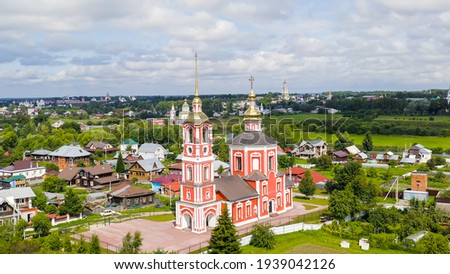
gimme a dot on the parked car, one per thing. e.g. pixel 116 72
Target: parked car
pixel 108 212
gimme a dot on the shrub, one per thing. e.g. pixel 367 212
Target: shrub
pixel 262 237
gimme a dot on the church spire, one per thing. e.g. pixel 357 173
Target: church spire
pixel 285 92
pixel 197 102
pixel 252 116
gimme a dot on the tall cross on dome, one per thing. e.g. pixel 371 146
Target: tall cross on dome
pixel 252 79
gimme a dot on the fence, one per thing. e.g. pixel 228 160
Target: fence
pixel 276 224
pixel 285 229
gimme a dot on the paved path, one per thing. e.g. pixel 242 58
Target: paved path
pixel 165 235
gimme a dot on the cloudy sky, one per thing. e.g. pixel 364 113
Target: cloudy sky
pixel 137 47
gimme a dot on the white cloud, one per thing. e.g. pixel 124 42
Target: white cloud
pixel 139 46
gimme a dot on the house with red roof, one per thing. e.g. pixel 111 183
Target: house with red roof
pixel 296 174
pixel 159 181
pixel 171 189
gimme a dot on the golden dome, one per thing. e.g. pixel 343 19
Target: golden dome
pixel 196 100
pixel 196 118
pixel 252 113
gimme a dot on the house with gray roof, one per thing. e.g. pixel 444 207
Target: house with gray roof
pixel 70 155
pixel 386 157
pixel 146 169
pixel 104 147
pixel 418 152
pixel 311 149
pixel 151 150
pixel 40 155
pixel 16 203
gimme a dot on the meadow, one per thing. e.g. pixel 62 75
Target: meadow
pixel 314 242
pixel 396 142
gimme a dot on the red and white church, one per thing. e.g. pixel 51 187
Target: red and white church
pixel 255 188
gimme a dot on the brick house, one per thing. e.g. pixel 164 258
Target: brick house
pixel 70 156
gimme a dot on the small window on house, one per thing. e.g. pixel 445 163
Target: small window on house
pixel 208 194
pixel 188 195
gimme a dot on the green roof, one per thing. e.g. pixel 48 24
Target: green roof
pixel 14 178
pixel 130 142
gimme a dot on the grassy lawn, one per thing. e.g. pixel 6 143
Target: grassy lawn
pixel 313 242
pixel 146 186
pixel 313 201
pixel 404 141
pixel 161 218
pixel 309 207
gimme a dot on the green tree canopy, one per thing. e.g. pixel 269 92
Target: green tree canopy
pixel 343 204
pixel 72 203
pixel 94 245
pixel 41 224
pixel 53 184
pixel 307 185
pixel 120 166
pixel 262 237
pixel 131 244
pixel 368 142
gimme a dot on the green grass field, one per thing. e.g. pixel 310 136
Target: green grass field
pixel 161 218
pixel 313 242
pixel 399 141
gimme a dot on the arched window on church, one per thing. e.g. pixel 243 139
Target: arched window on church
pixel 189 173
pixel 190 135
pixel 255 164
pixel 271 162
pixel 205 132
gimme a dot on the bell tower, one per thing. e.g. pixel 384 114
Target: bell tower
pixel 197 208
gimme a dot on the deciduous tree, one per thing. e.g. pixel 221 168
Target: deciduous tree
pixel 307 185
pixel 262 237
pixel 41 224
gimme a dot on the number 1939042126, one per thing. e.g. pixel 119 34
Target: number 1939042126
pixel 295 264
